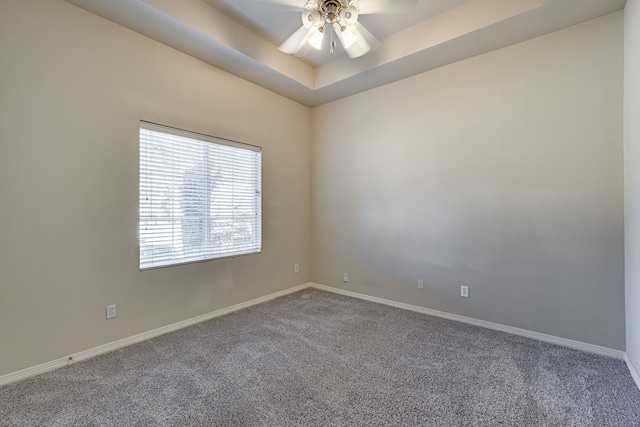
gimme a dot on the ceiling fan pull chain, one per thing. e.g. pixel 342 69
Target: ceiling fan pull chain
pixel 333 44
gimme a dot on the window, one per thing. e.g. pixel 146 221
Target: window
pixel 200 197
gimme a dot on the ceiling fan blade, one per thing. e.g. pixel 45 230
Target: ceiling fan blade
pixel 240 7
pixel 371 39
pixel 386 6
pixel 293 3
pixel 297 40
pixel 356 39
pixel 289 5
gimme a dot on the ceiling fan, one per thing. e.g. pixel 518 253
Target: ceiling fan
pixel 339 17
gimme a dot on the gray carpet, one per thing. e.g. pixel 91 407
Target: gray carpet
pixel 316 358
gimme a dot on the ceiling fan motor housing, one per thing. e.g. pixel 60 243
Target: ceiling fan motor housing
pixel 331 10
pixel 318 14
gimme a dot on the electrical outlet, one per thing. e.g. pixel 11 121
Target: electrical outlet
pixel 420 284
pixel 345 277
pixel 111 311
pixel 464 291
pixel 296 268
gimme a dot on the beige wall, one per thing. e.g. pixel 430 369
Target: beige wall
pixel 502 172
pixel 632 177
pixel 72 90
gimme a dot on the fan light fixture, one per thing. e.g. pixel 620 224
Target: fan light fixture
pixel 341 15
pixel 316 39
pixel 333 16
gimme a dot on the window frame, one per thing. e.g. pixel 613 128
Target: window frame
pixel 177 198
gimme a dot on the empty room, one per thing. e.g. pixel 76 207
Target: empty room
pixel 322 212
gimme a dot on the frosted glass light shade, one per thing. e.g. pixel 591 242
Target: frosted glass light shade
pixel 316 39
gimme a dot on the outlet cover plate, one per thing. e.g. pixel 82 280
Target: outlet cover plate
pixel 111 311
pixel 464 291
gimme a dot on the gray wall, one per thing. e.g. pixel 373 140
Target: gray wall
pixel 502 172
pixel 72 90
pixel 632 177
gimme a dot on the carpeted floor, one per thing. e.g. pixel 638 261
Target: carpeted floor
pixel 316 358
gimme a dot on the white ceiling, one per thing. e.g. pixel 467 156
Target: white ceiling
pixel 241 37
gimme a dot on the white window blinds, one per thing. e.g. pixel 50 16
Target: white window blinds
pixel 200 197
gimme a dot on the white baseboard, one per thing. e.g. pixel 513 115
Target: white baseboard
pixel 632 369
pixel 578 345
pixel 105 348
pixel 58 363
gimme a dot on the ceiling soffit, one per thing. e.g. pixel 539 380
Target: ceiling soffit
pixel 197 28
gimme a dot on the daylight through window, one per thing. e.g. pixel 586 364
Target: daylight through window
pixel 200 197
